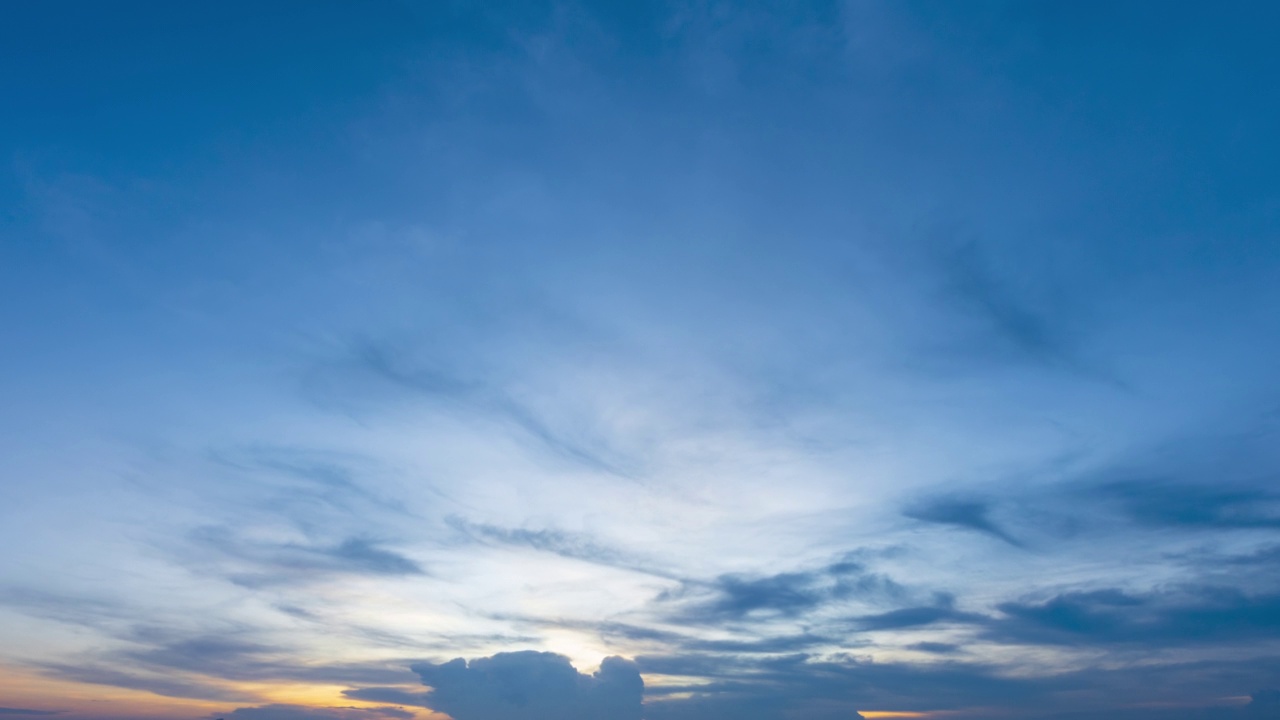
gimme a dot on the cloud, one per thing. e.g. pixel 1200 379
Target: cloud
pixel 803 687
pixel 785 594
pixel 301 712
pixel 361 555
pixel 1103 617
pixel 532 685
pixel 166 684
pixel 396 696
pixel 575 546
pixel 935 647
pixel 212 655
pixel 260 562
pixel 27 712
pixel 325 476
pixel 735 597
pixel 808 687
pixel 1268 556
pixel 972 284
pixel 307 486
pixel 750 708
pixel 1165 503
pixel 963 513
pixel 672 640
pixel 578 443
pixel 196 667
pixel 1211 484
pixel 91 612
pixel 915 617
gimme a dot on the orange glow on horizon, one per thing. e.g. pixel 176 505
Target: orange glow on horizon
pixel 20 687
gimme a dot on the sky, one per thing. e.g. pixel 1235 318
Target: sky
pixel 670 360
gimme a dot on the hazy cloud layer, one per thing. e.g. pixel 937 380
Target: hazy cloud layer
pixel 300 712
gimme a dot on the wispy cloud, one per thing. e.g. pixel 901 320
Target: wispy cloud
pixel 478 398
pixel 256 563
pixel 576 546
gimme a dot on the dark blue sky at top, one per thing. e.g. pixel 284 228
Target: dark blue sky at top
pixel 813 357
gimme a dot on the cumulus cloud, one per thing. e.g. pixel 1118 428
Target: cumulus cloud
pixel 532 685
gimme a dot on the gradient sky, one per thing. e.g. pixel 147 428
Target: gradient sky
pixel 395 360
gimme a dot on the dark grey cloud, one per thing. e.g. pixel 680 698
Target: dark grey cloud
pixel 1189 615
pixel 1170 502
pixel 938 648
pixel 392 695
pixel 532 686
pixel 738 597
pixel 804 687
pixel 919 616
pixel 1209 484
pixel 766 645
pixel 749 707
pixel 968 513
pixel 27 712
pixel 785 594
pixel 1220 479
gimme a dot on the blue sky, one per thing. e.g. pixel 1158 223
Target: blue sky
pixel 663 360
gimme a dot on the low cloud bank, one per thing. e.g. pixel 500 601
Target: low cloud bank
pixel 532 686
pixel 302 712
